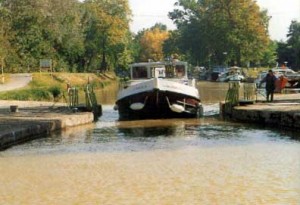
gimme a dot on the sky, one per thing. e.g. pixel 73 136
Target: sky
pixel 147 13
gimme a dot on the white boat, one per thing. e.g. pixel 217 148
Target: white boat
pixel 159 90
pixel 232 74
pixel 216 72
pixel 292 77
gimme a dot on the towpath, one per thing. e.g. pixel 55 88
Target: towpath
pixel 16 81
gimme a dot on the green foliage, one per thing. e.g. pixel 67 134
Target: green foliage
pixel 90 35
pixel 107 31
pixel 171 46
pixel 55 91
pixel 293 42
pixel 270 55
pixel 285 53
pixel 4 34
pixel 39 94
pixel 222 31
pixel 151 43
pixel 36 94
pixel 77 36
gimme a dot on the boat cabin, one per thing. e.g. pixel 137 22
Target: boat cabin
pixel 158 70
pixel 232 74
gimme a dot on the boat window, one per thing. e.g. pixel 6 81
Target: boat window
pixel 158 72
pixel 169 71
pixel 180 72
pixel 139 72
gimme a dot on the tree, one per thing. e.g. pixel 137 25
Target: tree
pixel 151 43
pixel 44 29
pixel 4 34
pixel 284 53
pixel 63 29
pixel 107 28
pixel 213 28
pixel 170 45
pixel 293 43
pixel 269 57
pixel 76 36
pixel 27 35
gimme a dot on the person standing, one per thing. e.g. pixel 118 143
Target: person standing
pixel 270 80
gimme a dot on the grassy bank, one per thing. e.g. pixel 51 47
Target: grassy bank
pixel 47 87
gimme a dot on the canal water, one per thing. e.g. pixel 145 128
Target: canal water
pixel 178 161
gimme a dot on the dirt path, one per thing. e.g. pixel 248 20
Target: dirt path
pixel 16 81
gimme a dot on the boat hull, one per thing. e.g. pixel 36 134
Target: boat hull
pixel 156 106
pixel 157 99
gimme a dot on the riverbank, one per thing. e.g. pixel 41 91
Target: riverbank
pixel 283 112
pixel 52 86
pixel 34 119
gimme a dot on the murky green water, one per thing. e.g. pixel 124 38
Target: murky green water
pixel 178 161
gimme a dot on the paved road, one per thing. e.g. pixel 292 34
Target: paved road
pixel 16 81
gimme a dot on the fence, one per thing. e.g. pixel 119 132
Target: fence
pixel 239 93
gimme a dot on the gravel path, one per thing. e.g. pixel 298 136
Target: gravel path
pixel 16 81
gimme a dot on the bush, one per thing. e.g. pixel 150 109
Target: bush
pixel 55 91
pixel 39 94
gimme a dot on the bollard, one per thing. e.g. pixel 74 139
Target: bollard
pixel 14 108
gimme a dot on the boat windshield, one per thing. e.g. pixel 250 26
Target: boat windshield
pixel 139 72
pixel 158 72
pixel 179 71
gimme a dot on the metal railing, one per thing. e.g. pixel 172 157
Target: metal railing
pixel 90 98
pixel 73 97
pixel 232 96
pixel 249 92
pixel 239 93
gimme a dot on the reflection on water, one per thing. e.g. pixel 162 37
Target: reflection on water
pixel 177 161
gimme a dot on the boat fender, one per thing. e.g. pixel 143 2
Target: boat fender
pixel 177 108
pixel 116 107
pixel 137 106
